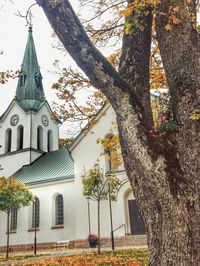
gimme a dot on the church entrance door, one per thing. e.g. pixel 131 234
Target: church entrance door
pixel 136 221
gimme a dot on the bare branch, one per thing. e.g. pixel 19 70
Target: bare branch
pixel 28 15
pixel 102 12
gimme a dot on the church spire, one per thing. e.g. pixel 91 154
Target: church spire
pixel 30 93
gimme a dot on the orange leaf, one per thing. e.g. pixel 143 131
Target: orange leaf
pixel 168 27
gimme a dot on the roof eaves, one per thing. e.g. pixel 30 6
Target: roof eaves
pixel 50 110
pixel 50 180
pixel 81 135
pixel 3 116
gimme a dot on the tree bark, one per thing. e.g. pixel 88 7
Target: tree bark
pixel 134 65
pixel 164 170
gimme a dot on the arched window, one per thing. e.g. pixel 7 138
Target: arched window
pixel 13 220
pixel 39 138
pixel 20 137
pixel 8 140
pixel 59 210
pixel 49 141
pixel 36 213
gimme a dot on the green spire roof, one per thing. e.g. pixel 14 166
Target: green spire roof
pixel 30 93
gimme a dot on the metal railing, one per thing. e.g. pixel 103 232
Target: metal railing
pixel 112 234
pixel 122 225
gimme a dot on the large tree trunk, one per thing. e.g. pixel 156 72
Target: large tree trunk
pixel 169 203
pixel 163 170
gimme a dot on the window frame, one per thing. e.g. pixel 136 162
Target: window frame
pixel 36 211
pixel 13 220
pixel 59 210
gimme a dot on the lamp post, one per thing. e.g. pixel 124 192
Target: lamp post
pixel 35 235
pixel 89 225
pixel 111 221
pixel 110 207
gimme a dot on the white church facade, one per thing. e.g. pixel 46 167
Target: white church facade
pixel 29 151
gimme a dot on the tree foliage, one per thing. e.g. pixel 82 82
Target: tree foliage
pixel 99 186
pixel 13 194
pixel 80 102
pixel 6 75
pixel 65 142
pixel 111 147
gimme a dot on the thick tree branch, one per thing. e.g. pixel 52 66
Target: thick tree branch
pixel 102 75
pixel 176 41
pixel 74 38
pixel 179 47
pixel 134 63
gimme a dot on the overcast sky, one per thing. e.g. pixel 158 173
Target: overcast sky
pixel 14 33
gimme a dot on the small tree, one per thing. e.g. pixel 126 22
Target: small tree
pixel 99 186
pixel 13 195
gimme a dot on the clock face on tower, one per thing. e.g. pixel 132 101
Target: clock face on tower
pixel 14 120
pixel 45 120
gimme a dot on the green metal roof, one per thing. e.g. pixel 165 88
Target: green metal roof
pixel 51 166
pixel 30 93
pixel 29 105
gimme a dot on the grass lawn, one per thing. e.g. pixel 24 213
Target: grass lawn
pixel 127 257
pixel 22 256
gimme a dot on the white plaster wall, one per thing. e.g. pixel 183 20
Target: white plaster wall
pixel 46 193
pixel 13 162
pixel 34 155
pixel 85 155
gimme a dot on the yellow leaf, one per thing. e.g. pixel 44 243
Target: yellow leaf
pixel 168 26
pixel 127 11
pixel 128 27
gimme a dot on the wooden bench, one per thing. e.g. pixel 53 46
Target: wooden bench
pixel 61 243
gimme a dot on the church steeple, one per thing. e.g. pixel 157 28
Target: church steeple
pixel 30 93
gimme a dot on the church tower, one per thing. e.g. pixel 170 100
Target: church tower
pixel 27 129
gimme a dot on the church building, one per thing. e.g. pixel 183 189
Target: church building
pixel 29 152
